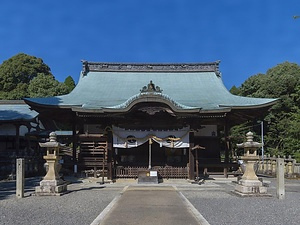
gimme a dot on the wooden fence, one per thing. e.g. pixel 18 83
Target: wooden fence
pixel 163 172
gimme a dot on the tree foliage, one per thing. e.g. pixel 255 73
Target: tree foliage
pixel 28 76
pixel 70 83
pixel 46 86
pixel 282 136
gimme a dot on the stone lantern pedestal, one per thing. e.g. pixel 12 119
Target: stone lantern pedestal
pixel 250 185
pixel 52 184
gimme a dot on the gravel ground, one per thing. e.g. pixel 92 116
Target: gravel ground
pixel 87 199
pixel 81 206
pixel 222 207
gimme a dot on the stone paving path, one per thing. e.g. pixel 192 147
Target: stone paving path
pixel 150 205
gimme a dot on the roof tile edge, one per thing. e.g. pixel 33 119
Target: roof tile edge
pixel 150 67
pixel 12 102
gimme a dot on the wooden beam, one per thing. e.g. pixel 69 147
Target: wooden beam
pixel 191 158
pixel 74 146
pixel 17 138
pixel 226 134
pixel 109 155
pixel 197 164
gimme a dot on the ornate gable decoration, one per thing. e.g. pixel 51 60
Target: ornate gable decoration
pixel 150 88
pixel 152 91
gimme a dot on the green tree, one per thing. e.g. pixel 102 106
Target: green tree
pixel 282 79
pixel 17 79
pixel 283 122
pixel 45 86
pixel 18 93
pixel 234 90
pixel 70 83
pixel 20 69
pixel 253 86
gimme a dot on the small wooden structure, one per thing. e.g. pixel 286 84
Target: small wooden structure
pixel 17 120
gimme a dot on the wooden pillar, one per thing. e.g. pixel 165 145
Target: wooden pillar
pixel 74 147
pixel 197 163
pixel 27 138
pixel 109 155
pixel 191 158
pixel 150 154
pixel 227 148
pixel 103 167
pixel 17 138
pixel 226 134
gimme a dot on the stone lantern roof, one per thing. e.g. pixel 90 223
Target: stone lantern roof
pixel 249 143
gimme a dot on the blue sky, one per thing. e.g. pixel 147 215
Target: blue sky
pixel 248 36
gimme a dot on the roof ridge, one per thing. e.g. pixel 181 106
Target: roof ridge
pixel 150 67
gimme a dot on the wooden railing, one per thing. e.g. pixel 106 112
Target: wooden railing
pixel 163 172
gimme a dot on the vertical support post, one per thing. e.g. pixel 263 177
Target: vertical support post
pixel 274 169
pixel 226 133
pixel 95 172
pixel 197 163
pixel 28 144
pixel 150 154
pixel 20 178
pixel 262 141
pixel 290 169
pixel 109 155
pixel 265 167
pixel 280 179
pixel 191 158
pixel 205 171
pixel 269 166
pixel 17 138
pixel 103 167
pixel 225 172
pixel 74 147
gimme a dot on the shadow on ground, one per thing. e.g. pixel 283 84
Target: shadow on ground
pixel 8 187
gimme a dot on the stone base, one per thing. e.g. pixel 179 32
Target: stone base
pixel 51 188
pixel 251 194
pixel 147 177
pixel 248 188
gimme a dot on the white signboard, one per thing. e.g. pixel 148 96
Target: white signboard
pixel 153 173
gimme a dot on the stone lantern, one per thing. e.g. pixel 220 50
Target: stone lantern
pixel 250 185
pixel 52 184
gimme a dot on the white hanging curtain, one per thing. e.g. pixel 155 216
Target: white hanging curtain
pixel 123 138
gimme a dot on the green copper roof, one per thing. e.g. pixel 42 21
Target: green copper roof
pixel 185 89
pixel 16 111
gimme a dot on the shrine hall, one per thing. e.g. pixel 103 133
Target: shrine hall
pixel 172 118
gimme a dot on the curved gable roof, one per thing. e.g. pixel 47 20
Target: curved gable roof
pixel 116 86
